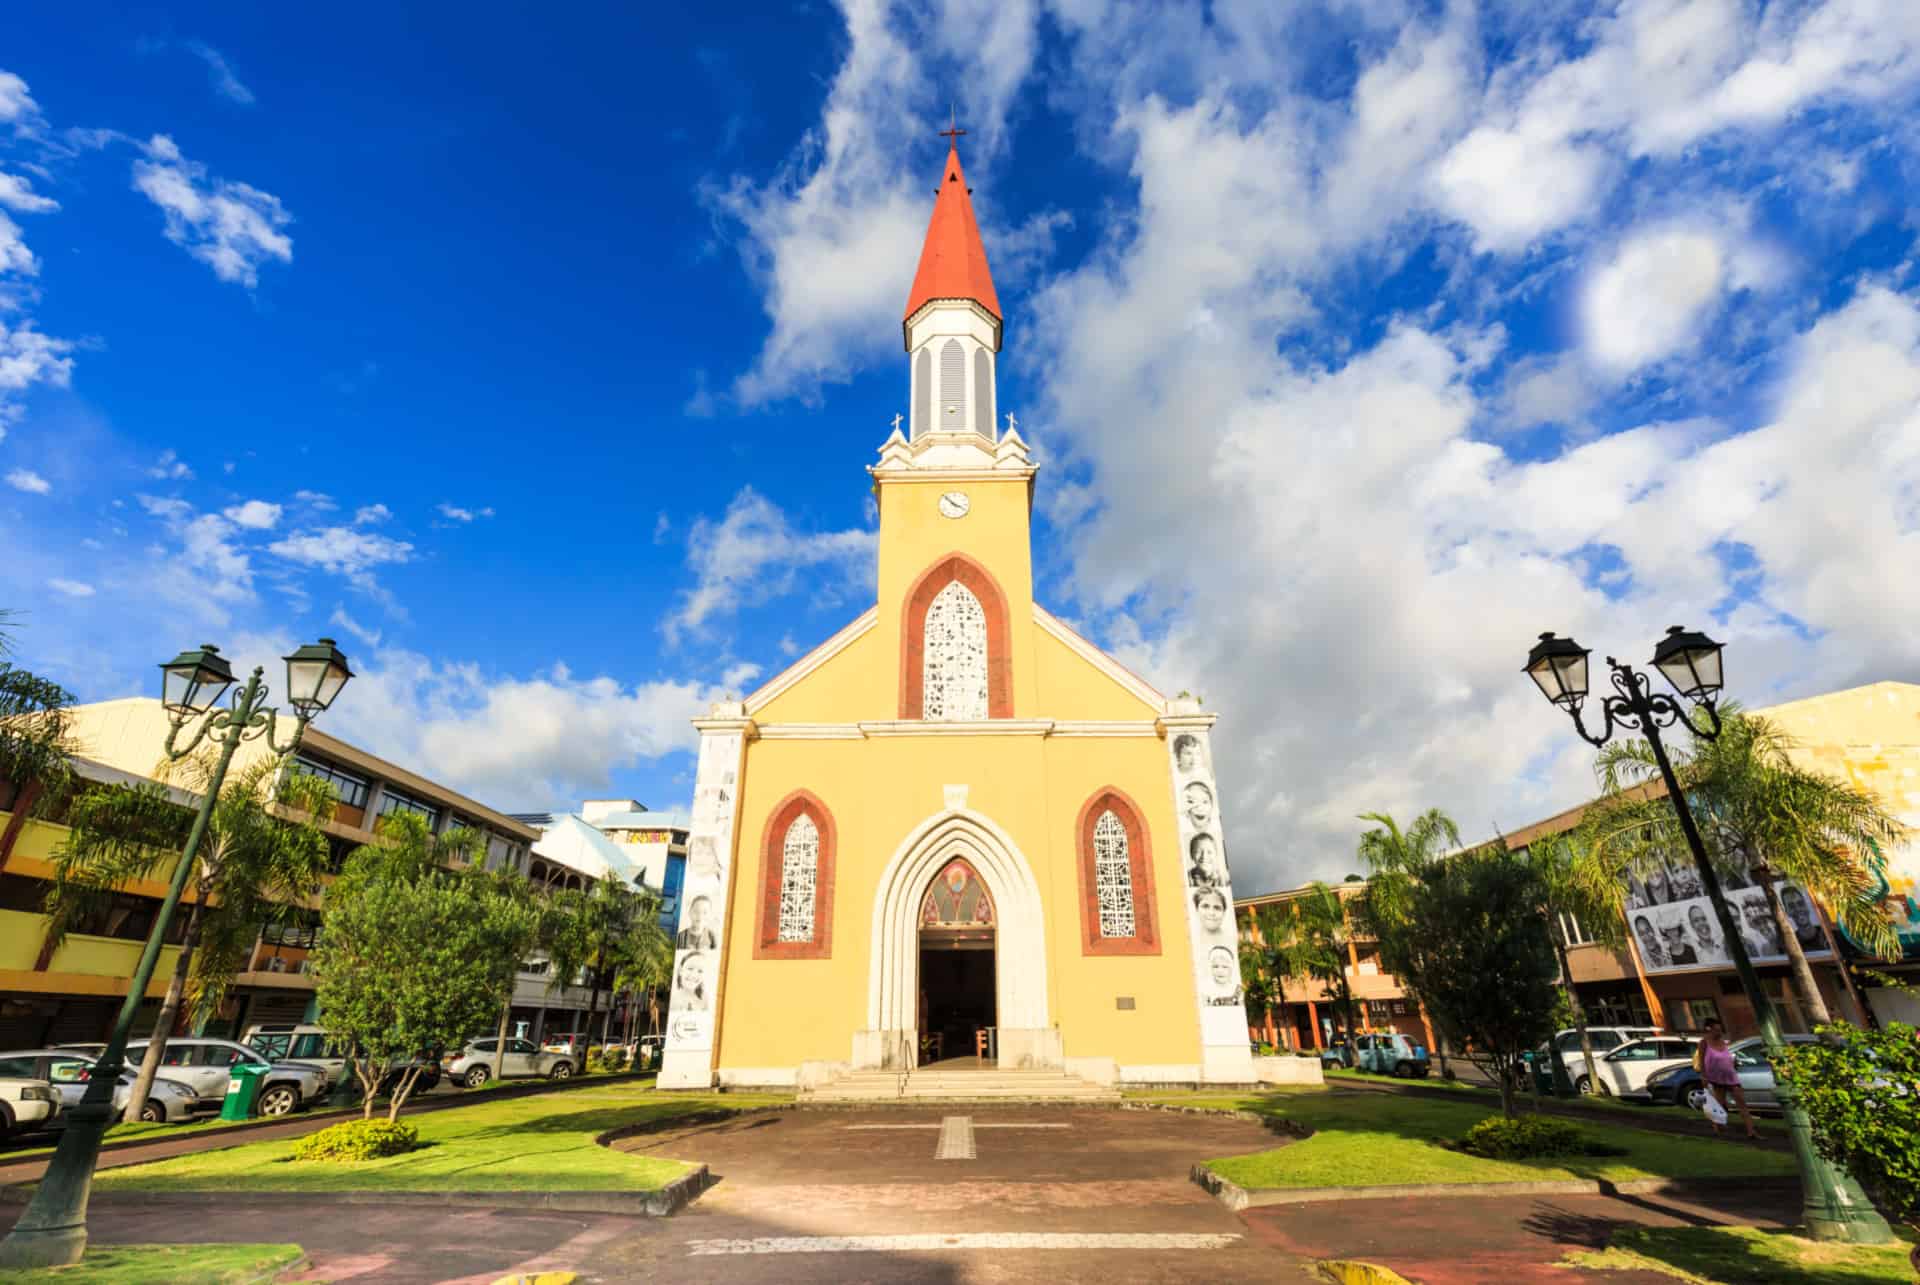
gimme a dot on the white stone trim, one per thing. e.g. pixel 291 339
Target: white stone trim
pixel 759 1077
pixel 811 732
pixel 1171 1073
pixel 1144 727
pixel 974 727
pixel 819 656
pixel 893 976
pixel 1106 664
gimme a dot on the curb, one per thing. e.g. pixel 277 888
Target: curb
pixel 1235 1197
pixel 1351 1271
pixel 662 1203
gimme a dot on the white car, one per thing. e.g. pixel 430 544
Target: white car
pixel 26 1106
pixel 69 1073
pixel 205 1065
pixel 480 1060
pixel 1624 1072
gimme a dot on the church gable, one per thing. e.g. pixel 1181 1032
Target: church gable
pixel 1080 683
pixel 833 683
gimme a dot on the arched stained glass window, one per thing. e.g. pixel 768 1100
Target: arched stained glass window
pixel 954 657
pixel 799 879
pixel 1113 876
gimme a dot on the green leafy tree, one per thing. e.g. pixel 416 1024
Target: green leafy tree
pixel 1861 1092
pixel 406 850
pixel 1396 859
pixel 1758 811
pixel 263 855
pixel 34 744
pixel 1262 988
pixel 1469 940
pixel 1311 936
pixel 1580 885
pixel 591 929
pixel 404 967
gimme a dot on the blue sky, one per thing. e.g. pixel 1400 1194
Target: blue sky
pixel 537 356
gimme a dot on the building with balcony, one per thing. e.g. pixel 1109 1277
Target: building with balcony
pixel 72 993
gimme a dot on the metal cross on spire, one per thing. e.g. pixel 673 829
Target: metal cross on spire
pixel 952 132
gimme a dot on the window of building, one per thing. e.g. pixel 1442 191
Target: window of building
pixel 954 657
pixel 351 789
pixel 1116 880
pixel 1694 1014
pixel 796 889
pixel 953 385
pixel 392 800
pixel 1571 930
pixel 799 865
pixel 1113 879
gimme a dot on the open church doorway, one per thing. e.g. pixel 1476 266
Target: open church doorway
pixel 957 959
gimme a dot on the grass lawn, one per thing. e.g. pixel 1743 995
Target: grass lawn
pixel 148 1264
pixel 1745 1256
pixel 1598 1102
pixel 142 1131
pixel 1363 1140
pixel 539 1143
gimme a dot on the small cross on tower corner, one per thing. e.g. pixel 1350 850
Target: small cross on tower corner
pixel 1012 423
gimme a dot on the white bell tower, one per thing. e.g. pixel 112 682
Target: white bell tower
pixel 952 323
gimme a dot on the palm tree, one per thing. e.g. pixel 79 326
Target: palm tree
pixel 1579 887
pixel 644 965
pixel 405 849
pixel 1395 860
pixel 262 857
pixel 1311 936
pixel 1257 980
pixel 593 927
pixel 34 745
pixel 1760 813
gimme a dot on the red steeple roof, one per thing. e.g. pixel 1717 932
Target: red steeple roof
pixel 953 263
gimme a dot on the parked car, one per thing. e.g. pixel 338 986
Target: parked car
pixel 1393 1054
pixel 1683 1086
pixel 574 1046
pixel 27 1106
pixel 1604 1039
pixel 299 1042
pixel 70 1073
pixel 204 1065
pixel 481 1059
pixel 1624 1071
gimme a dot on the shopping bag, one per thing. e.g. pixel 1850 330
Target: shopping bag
pixel 1712 1109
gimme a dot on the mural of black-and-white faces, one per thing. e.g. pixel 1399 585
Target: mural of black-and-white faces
pixel 698 925
pixel 1211 912
pixel 692 982
pixel 1196 804
pixel 705 862
pixel 1223 976
pixel 1205 866
pixel 1189 756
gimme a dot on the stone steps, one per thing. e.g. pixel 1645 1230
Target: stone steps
pixel 990 1084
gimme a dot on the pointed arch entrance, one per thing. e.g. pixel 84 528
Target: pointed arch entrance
pixel 999 874
pixel 955 1015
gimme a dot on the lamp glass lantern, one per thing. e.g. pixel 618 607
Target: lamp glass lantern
pixel 194 681
pixel 1691 662
pixel 1558 667
pixel 315 675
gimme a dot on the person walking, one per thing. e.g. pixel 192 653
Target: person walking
pixel 1716 1068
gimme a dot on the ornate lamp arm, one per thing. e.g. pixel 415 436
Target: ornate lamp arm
pixel 300 722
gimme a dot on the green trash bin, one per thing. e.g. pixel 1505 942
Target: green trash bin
pixel 243 1090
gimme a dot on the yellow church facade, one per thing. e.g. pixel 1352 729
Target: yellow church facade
pixel 956 828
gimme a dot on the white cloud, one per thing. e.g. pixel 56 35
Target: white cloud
pixel 1649 301
pixel 17 107
pixel 71 588
pixel 21 479
pixel 170 467
pixel 225 83
pixel 317 500
pixel 753 550
pixel 231 227
pixel 340 549
pixel 255 515
pixel 371 637
pixel 17 194
pixel 371 513
pixel 454 513
pixel 28 357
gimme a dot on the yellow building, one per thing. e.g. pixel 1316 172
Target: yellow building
pixel 956 826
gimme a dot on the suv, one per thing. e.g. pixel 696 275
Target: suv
pixel 69 1073
pixel 304 1043
pixel 204 1064
pixel 1604 1040
pixel 474 1064
pixel 1389 1053
pixel 27 1105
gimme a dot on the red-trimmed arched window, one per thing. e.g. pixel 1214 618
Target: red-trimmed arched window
pixel 1116 878
pixel 953 657
pixel 796 881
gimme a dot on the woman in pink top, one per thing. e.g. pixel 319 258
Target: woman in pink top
pixel 1716 1068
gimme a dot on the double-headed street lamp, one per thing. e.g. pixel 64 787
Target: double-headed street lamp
pixel 53 1231
pixel 1833 1205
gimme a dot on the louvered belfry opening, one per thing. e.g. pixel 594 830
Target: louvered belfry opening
pixel 953 386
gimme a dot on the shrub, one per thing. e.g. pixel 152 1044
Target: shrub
pixel 610 1058
pixel 1861 1090
pixel 1527 1137
pixel 358 1140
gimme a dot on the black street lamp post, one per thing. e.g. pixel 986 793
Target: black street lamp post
pixel 53 1230
pixel 1833 1205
